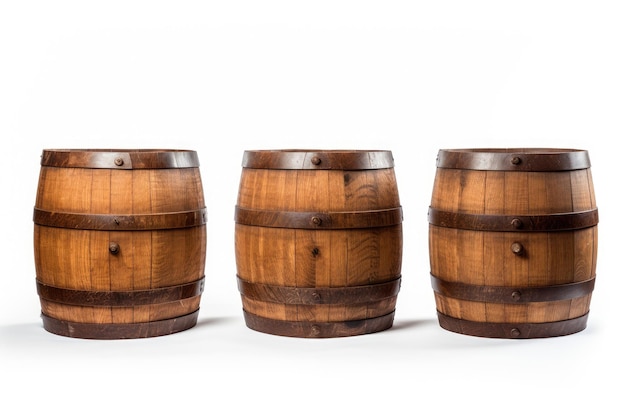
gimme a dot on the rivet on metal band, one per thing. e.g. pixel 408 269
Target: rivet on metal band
pixel 317 159
pixel 120 298
pixel 120 158
pixel 317 220
pixel 316 329
pixel 512 295
pixel 508 223
pixel 514 159
pixel 513 330
pixel 87 221
pixel 316 296
pixel 109 331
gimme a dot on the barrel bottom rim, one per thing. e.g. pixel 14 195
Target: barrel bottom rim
pixel 317 329
pixel 110 331
pixel 503 330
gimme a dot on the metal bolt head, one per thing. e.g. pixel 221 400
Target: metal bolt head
pixel 515 332
pixel 316 160
pixel 516 295
pixel 516 160
pixel 316 220
pixel 119 162
pixel 517 223
pixel 114 248
pixel 315 330
pixel 316 297
pixel 517 248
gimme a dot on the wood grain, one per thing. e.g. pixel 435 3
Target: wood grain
pixel 463 253
pixel 78 257
pixel 312 256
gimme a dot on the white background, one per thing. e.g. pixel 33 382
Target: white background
pixel 220 77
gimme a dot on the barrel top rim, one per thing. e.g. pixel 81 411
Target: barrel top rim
pixel 139 158
pixel 116 150
pixel 303 150
pixel 317 159
pixel 538 151
pixel 514 159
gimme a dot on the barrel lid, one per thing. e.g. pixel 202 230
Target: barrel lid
pixel 318 159
pixel 514 159
pixel 120 158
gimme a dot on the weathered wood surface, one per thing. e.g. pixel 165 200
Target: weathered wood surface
pixel 522 237
pixel 119 247
pixel 321 257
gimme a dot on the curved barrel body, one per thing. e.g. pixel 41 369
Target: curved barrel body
pixel 318 242
pixel 119 242
pixel 513 241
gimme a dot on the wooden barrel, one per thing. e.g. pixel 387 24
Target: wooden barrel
pixel 513 241
pixel 119 242
pixel 318 242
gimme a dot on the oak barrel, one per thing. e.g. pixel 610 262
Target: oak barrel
pixel 119 242
pixel 513 241
pixel 318 242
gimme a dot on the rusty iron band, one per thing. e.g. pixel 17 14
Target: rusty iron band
pixel 317 159
pixel 109 331
pixel 317 220
pixel 512 295
pixel 316 329
pixel 177 220
pixel 120 298
pixel 318 296
pixel 514 223
pixel 513 330
pixel 514 159
pixel 120 158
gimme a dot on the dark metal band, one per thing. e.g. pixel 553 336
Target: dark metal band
pixel 177 220
pixel 317 220
pixel 514 223
pixel 513 330
pixel 120 298
pixel 317 159
pixel 120 158
pixel 317 296
pixel 512 295
pixel 514 159
pixel 119 330
pixel 317 329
